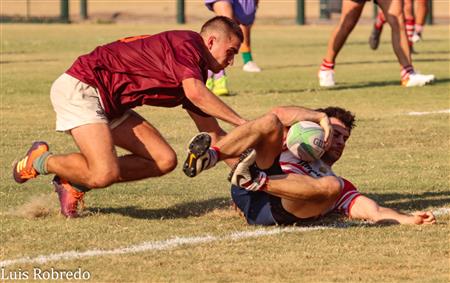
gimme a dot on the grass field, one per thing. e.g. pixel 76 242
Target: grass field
pixel 400 160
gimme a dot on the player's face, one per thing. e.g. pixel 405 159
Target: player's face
pixel 340 136
pixel 223 48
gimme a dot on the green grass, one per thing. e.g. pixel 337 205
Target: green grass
pixel 401 161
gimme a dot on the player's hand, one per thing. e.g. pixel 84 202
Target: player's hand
pixel 424 217
pixel 326 125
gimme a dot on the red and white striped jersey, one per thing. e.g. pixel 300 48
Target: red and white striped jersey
pixel 291 164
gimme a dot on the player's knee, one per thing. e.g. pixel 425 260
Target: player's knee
pixel 271 124
pixel 168 163
pixel 395 21
pixel 103 178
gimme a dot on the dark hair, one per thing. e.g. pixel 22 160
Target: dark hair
pixel 346 117
pixel 223 24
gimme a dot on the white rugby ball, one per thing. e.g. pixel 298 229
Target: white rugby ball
pixel 305 140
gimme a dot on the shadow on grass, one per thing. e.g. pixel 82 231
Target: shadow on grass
pixel 393 60
pixel 28 61
pixel 419 201
pixel 182 210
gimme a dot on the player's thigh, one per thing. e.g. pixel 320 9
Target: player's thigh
pixel 408 9
pixel 138 136
pixel 223 8
pixel 307 209
pixel 96 144
pixel 270 139
pixel 352 9
pixel 391 7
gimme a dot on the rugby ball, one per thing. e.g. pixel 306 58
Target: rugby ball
pixel 306 140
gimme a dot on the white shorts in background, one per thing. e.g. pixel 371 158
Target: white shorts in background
pixel 77 104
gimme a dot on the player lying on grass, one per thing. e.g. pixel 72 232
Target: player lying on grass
pixel 272 186
pixel 94 97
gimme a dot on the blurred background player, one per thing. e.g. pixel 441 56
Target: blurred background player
pixel 414 21
pixel 243 12
pixel 393 12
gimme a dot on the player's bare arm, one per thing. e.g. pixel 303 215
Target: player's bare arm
pixel 367 209
pixel 196 91
pixel 289 115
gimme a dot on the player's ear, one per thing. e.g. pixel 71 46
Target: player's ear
pixel 210 41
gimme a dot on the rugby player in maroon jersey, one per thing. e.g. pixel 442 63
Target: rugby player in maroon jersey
pixel 94 97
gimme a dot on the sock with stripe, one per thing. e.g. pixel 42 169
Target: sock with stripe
pixel 409 24
pixel 419 28
pixel 326 65
pixel 406 71
pixel 214 156
pixel 247 57
pixel 40 163
pixel 380 20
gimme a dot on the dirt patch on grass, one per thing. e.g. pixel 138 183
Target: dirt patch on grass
pixel 36 207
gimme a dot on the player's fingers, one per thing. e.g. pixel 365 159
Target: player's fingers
pixel 328 129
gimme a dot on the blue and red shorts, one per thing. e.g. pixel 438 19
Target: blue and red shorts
pixel 244 10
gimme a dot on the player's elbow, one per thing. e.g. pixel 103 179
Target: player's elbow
pixel 329 188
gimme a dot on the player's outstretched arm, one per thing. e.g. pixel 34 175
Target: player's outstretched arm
pixel 367 209
pixel 289 115
pixel 196 91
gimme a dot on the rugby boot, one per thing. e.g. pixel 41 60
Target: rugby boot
pixel 246 175
pixel 374 39
pixel 210 83
pixel 199 156
pixel 23 169
pixel 220 87
pixel 417 80
pixel 251 67
pixel 417 36
pixel 69 197
pixel 326 78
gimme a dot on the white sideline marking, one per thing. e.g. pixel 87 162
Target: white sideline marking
pixel 158 245
pixel 177 241
pixel 441 211
pixel 428 113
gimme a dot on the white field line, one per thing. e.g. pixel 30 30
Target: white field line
pixel 157 245
pixel 428 113
pixel 441 211
pixel 177 241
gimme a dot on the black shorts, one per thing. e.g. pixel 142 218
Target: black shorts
pixel 261 208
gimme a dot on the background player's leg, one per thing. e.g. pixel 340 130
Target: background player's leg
pixel 374 39
pixel 408 11
pixel 421 11
pixel 246 51
pixel 351 11
pixel 393 12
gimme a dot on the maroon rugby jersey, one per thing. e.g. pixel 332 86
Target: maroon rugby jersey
pixel 144 70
